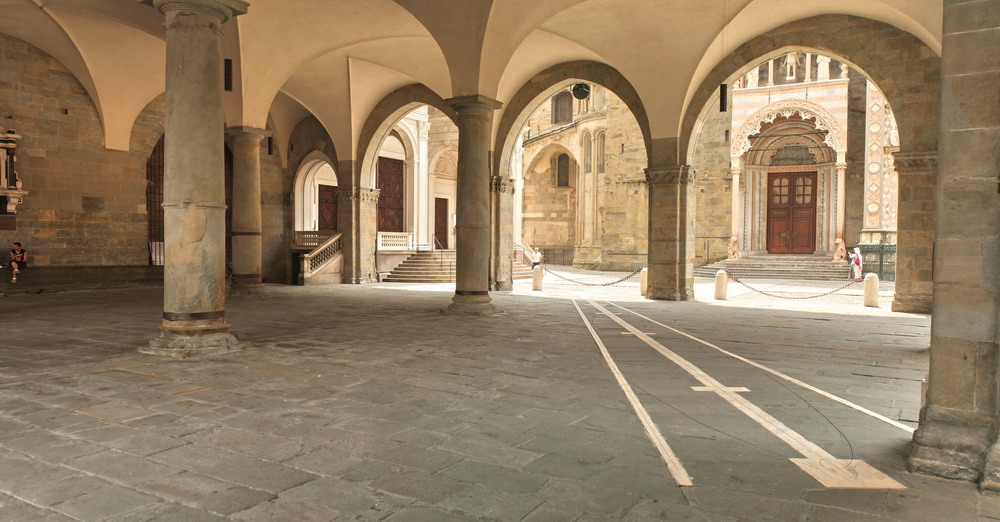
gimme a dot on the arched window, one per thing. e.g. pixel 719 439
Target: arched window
pixel 562 108
pixel 588 153
pixel 562 170
pixel 600 153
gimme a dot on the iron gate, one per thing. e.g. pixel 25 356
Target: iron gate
pixel 879 258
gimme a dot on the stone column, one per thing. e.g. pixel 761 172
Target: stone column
pixel 958 432
pixel 735 170
pixel 357 215
pixel 671 233
pixel 841 194
pixel 245 144
pixel 194 203
pixel 472 228
pixel 915 232
pixel 502 196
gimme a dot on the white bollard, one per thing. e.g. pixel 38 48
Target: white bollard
pixel 536 278
pixel 643 282
pixel 871 290
pixel 721 285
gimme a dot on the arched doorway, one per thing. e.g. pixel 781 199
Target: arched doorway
pixel 315 195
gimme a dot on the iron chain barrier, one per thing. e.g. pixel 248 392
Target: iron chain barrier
pixel 770 294
pixel 622 280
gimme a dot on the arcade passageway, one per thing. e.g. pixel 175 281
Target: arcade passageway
pixel 368 403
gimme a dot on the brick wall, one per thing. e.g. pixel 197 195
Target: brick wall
pixel 86 204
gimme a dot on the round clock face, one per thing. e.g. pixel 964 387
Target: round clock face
pixel 581 91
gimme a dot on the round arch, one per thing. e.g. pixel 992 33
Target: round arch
pixel 546 83
pixel 836 137
pixel 384 117
pixel 314 170
pixel 865 45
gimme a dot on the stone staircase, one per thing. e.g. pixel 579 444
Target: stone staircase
pixel 816 267
pixel 438 266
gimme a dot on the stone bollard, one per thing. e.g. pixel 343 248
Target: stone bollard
pixel 643 282
pixel 871 290
pixel 536 278
pixel 721 285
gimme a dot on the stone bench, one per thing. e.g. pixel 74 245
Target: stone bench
pixel 38 279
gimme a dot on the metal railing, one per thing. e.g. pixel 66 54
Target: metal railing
pixel 311 238
pixel 321 256
pixel 441 256
pixel 395 241
pixel 879 258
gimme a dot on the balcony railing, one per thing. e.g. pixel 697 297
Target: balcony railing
pixel 322 255
pixel 311 238
pixel 395 241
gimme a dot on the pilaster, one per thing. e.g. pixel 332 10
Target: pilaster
pixel 915 232
pixel 502 203
pixel 358 207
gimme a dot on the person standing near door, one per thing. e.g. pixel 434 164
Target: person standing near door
pixel 856 263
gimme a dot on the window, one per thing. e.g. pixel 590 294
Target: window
pixel 600 153
pixel 588 153
pixel 562 108
pixel 562 170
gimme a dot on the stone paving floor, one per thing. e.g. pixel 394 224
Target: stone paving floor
pixel 367 403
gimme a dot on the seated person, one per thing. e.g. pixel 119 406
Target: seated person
pixel 18 260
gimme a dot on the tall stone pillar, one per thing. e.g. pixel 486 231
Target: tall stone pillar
pixel 194 200
pixel 245 144
pixel 357 215
pixel 915 232
pixel 473 224
pixel 671 233
pixel 958 432
pixel 502 196
pixel 736 225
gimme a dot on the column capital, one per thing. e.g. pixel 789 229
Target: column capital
pixel 501 185
pixel 357 194
pixel 241 134
pixel 677 174
pixel 473 103
pixel 225 9
pixel 914 162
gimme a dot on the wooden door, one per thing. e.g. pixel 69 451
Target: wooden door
pixel 791 213
pixel 327 205
pixel 441 223
pixel 390 197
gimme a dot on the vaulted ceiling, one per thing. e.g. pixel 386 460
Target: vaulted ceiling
pixel 335 59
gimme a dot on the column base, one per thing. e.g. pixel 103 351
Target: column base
pixel 504 285
pixel 182 343
pixel 471 305
pixel 242 291
pixel 956 446
pixel 670 294
pixel 914 304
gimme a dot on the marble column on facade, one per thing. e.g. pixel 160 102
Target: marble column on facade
pixel 502 204
pixel 841 193
pixel 671 233
pixel 423 197
pixel 194 202
pixel 473 223
pixel 735 170
pixel 244 142
pixel 958 432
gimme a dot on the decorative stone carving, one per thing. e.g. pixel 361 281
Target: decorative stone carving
pixel 793 155
pixel 501 185
pixel 790 63
pixel 835 136
pixel 734 248
pixel 753 78
pixel 839 251
pixel 681 174
pixel 10 184
pixel 822 68
pixel 366 195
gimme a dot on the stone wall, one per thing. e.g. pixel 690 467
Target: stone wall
pixel 602 215
pixel 713 188
pixel 87 205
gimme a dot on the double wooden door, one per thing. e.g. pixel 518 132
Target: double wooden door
pixel 791 213
pixel 390 197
